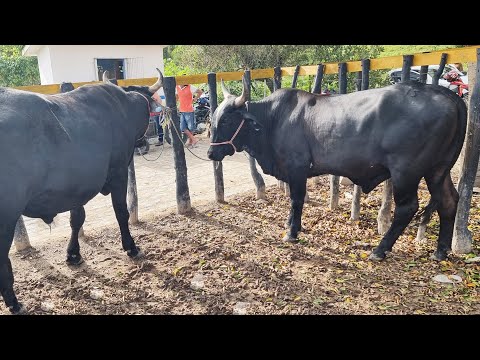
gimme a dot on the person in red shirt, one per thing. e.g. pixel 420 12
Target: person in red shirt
pixel 185 96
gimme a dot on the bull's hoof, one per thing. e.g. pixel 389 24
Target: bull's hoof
pixel 287 226
pixel 290 239
pixel 439 255
pixel 74 260
pixel 135 254
pixel 374 256
pixel 261 195
pixel 19 309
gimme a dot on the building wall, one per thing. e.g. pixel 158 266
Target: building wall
pixel 76 63
pixel 44 65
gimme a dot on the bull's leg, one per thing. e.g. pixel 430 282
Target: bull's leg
pixel 447 210
pixel 257 179
pixel 7 231
pixel 77 218
pixel 119 201
pixel 298 188
pixel 288 223
pixel 406 205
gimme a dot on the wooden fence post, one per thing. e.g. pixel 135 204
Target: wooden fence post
pixel 277 78
pixel 183 196
pixel 437 75
pixel 132 197
pixel 277 84
pixel 217 165
pixel 334 180
pixel 462 237
pixel 295 76
pixel 257 178
pixel 317 87
pixel 422 228
pixel 423 74
pixel 21 239
pixel 362 84
pixel 384 218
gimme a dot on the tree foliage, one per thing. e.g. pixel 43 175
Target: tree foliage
pixel 15 69
pixel 207 58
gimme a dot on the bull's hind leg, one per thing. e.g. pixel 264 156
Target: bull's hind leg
pixel 298 188
pixel 119 201
pixel 406 205
pixel 7 231
pixel 447 210
pixel 77 218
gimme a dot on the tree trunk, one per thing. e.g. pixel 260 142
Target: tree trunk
pixel 462 237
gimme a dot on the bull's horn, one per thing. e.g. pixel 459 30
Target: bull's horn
pixel 225 91
pixel 155 87
pixel 105 77
pixel 239 101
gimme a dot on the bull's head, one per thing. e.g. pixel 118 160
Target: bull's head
pixel 147 91
pixel 231 124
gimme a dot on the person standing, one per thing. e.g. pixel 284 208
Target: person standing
pixel 185 95
pixel 158 97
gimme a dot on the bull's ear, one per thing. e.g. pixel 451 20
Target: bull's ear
pixel 253 120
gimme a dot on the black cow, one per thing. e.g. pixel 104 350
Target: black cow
pixel 403 132
pixel 59 151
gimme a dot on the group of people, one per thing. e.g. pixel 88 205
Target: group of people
pixel 186 95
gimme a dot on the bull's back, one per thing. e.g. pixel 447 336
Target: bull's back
pixel 413 122
pixel 59 152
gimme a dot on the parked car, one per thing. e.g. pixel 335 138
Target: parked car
pixel 396 74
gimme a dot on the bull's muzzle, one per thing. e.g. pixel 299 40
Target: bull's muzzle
pixel 217 153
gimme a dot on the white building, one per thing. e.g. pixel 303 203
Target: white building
pixel 84 63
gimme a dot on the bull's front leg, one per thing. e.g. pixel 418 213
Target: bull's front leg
pixel 119 202
pixel 298 188
pixel 77 218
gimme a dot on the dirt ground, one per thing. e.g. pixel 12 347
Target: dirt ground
pixel 229 259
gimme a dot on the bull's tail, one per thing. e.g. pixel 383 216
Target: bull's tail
pixel 426 213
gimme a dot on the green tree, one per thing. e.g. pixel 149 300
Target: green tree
pixel 206 58
pixel 15 69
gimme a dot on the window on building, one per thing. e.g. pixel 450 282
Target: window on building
pixel 115 68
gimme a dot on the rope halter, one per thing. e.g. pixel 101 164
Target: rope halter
pixel 231 140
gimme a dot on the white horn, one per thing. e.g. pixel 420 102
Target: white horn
pixel 155 87
pixel 239 101
pixel 225 91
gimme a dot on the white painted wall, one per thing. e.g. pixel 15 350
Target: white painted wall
pixel 76 63
pixel 44 65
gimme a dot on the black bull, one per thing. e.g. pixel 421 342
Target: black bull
pixel 403 132
pixel 59 151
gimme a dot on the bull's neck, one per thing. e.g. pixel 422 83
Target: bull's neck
pixel 259 143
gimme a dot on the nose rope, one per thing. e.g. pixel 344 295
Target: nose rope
pixel 233 137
